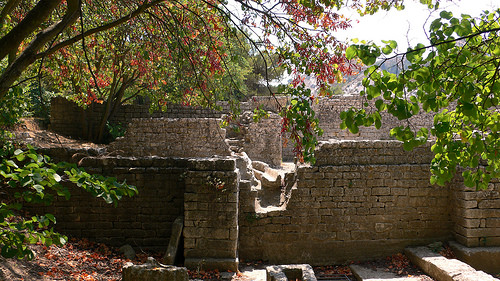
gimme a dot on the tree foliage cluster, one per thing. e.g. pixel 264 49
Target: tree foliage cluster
pixel 456 76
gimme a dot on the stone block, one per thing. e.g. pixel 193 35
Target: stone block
pixel 399 191
pixel 467 204
pixel 290 272
pixel 381 191
pixel 173 245
pixel 489 204
pixel 481 213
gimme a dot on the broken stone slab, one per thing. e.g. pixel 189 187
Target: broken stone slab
pixel 367 274
pixel 175 238
pixel 443 269
pixel 303 272
pixel 481 258
pixel 153 271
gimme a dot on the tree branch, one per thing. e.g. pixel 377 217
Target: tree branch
pixel 35 17
pixel 7 10
pixel 28 56
pixel 107 26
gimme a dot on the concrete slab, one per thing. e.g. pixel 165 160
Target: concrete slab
pixel 379 274
pixel 443 269
pixel 481 258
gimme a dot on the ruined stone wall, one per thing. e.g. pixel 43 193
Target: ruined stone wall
pixel 67 118
pixel 264 141
pixel 172 137
pixel 328 112
pixel 211 218
pixel 168 188
pixel 362 199
pixel 144 220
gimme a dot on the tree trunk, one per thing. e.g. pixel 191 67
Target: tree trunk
pixel 111 105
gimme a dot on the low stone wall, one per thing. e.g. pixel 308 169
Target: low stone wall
pixel 360 201
pixel 177 137
pixel 67 118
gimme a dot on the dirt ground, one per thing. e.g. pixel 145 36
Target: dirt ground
pixel 32 131
pixel 81 259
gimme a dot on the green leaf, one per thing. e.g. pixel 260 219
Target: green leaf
pixel 446 15
pixel 38 188
pixel 351 52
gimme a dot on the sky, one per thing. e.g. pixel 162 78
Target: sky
pixel 407 25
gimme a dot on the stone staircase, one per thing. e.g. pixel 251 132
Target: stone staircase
pixel 271 187
pixel 235 144
pixel 275 186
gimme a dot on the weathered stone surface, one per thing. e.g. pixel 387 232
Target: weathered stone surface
pixel 302 272
pixel 153 271
pixel 212 263
pixel 173 245
pixel 342 209
pixel 444 269
pixel 177 137
pixel 481 258
pixel 379 274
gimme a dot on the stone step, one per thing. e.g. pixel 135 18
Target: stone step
pixel 443 269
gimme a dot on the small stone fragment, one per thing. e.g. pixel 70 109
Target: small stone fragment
pixel 128 251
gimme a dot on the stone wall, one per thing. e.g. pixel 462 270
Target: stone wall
pixel 362 199
pixel 172 137
pixel 261 141
pixel 144 220
pixel 328 112
pixel 476 215
pixel 211 218
pixel 67 118
pixel 168 188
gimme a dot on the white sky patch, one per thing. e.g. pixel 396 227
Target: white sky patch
pixel 408 25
